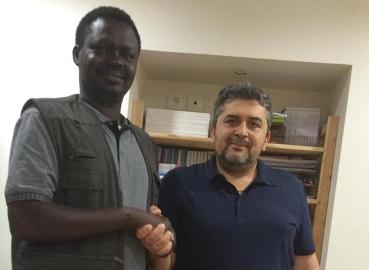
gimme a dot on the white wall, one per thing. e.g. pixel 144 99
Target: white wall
pixel 37 37
pixel 36 44
pixel 156 92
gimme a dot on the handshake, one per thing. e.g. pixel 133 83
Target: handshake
pixel 153 230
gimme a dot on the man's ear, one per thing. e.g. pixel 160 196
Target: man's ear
pixel 267 138
pixel 212 132
pixel 75 53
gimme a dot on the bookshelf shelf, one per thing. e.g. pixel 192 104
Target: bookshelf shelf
pixel 293 149
pixel 207 143
pixel 182 141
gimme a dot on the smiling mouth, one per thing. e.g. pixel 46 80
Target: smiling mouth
pixel 239 142
pixel 238 147
pixel 114 77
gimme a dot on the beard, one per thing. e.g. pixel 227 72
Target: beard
pixel 234 162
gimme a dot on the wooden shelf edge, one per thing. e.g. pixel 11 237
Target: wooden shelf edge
pixel 325 182
pixel 207 143
pixel 182 141
pixel 293 149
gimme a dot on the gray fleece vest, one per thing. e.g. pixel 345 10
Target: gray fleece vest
pixel 87 179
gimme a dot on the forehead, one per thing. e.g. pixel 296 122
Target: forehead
pixel 105 28
pixel 244 108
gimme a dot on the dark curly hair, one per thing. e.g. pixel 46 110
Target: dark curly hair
pixel 246 91
pixel 104 12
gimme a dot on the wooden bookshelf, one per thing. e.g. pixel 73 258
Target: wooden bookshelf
pixel 326 153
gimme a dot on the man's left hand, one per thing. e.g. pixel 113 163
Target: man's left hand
pixel 159 240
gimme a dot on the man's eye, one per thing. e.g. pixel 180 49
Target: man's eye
pixel 128 56
pixel 101 49
pixel 255 124
pixel 231 121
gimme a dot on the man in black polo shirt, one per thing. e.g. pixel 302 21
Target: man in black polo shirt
pixel 233 211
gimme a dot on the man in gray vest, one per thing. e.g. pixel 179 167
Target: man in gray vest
pixel 81 177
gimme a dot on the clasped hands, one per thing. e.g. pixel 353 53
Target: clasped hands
pixel 157 235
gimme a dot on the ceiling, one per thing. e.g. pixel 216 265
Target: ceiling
pixel 214 69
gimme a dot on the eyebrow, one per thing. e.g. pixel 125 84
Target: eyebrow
pixel 231 116
pixel 253 118
pixel 256 119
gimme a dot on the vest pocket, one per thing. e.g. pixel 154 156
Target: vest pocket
pixel 83 183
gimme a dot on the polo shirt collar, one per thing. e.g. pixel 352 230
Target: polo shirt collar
pixel 264 176
pixel 104 119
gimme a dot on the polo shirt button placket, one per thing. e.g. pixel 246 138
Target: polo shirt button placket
pixel 238 203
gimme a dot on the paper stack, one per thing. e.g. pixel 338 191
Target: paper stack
pixel 302 126
pixel 177 122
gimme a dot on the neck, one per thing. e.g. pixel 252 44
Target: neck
pixel 112 111
pixel 240 179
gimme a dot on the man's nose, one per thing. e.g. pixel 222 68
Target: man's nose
pixel 115 58
pixel 242 129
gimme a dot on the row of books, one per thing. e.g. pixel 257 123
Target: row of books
pixel 171 157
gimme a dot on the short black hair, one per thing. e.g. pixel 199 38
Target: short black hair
pixel 246 91
pixel 104 12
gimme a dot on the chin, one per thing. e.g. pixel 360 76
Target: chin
pixel 114 91
pixel 235 157
pixel 237 160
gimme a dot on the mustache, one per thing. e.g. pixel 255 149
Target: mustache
pixel 114 71
pixel 237 139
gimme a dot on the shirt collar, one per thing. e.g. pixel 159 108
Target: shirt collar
pixel 123 122
pixel 264 175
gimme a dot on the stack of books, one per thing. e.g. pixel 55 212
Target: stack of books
pixel 278 129
pixel 305 169
pixel 177 122
pixel 290 164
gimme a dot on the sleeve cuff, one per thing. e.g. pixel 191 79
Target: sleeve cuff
pixel 26 196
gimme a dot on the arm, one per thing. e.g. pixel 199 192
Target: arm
pixel 31 184
pixel 304 242
pixel 48 222
pixel 309 262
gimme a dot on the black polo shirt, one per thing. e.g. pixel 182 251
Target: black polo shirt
pixel 218 228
